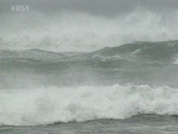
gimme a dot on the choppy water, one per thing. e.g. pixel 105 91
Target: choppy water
pixel 127 89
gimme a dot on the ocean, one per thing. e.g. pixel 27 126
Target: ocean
pixel 128 89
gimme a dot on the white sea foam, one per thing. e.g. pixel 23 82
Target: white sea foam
pixel 52 104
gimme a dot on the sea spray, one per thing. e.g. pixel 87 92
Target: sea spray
pixel 48 105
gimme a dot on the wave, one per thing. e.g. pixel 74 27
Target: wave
pixel 48 105
pixel 152 63
pixel 35 54
pixel 156 51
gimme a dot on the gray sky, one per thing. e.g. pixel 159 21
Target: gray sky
pixel 94 7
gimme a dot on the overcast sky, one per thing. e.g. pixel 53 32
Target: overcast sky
pixel 94 7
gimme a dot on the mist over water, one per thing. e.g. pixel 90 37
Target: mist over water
pixel 82 31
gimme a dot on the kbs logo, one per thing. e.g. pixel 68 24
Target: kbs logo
pixel 19 8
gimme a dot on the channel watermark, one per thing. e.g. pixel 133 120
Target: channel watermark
pixel 19 8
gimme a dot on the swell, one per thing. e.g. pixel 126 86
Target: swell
pixel 152 63
pixel 164 51
pixel 154 51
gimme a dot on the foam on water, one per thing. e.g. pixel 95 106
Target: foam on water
pixel 21 107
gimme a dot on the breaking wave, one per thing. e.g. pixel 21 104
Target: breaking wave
pixel 51 105
pixel 84 32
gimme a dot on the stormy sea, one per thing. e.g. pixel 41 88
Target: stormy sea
pixel 88 66
pixel 127 89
